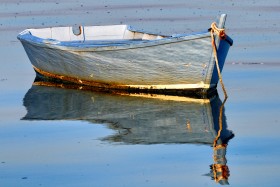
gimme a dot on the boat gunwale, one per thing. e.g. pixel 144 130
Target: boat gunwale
pixel 107 45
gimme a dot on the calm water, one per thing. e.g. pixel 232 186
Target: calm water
pixel 59 137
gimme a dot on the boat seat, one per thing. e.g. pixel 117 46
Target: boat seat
pixel 57 33
pixel 111 32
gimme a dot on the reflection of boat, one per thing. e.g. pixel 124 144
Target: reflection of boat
pixel 143 119
pixel 137 119
pixel 120 57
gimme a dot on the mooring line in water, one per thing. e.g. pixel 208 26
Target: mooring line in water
pixel 221 33
pixel 220 123
pixel 220 171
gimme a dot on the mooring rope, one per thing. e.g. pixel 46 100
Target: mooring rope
pixel 221 33
pixel 220 123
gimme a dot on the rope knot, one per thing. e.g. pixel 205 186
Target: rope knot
pixel 220 32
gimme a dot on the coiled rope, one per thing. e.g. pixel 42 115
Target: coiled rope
pixel 222 35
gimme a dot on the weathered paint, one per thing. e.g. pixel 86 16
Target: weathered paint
pixel 118 56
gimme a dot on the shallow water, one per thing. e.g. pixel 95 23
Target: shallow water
pixel 53 137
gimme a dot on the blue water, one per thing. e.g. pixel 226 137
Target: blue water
pixel 75 152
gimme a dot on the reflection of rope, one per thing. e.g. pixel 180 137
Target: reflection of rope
pixel 221 33
pixel 220 168
pixel 220 122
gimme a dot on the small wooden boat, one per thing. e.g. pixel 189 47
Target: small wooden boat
pixel 120 57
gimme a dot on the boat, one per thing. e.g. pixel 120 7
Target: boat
pixel 120 57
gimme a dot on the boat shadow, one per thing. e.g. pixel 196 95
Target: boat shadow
pixel 139 118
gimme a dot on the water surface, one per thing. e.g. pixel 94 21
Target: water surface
pixel 51 136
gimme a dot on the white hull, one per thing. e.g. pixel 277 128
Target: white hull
pixel 176 62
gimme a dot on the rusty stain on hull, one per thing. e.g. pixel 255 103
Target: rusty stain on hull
pixel 75 83
pixel 78 81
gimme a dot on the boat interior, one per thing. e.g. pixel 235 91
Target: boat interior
pixel 89 33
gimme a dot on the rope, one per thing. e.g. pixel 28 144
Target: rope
pixel 214 30
pixel 221 33
pixel 220 124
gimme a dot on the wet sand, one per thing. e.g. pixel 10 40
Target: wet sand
pixel 83 152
